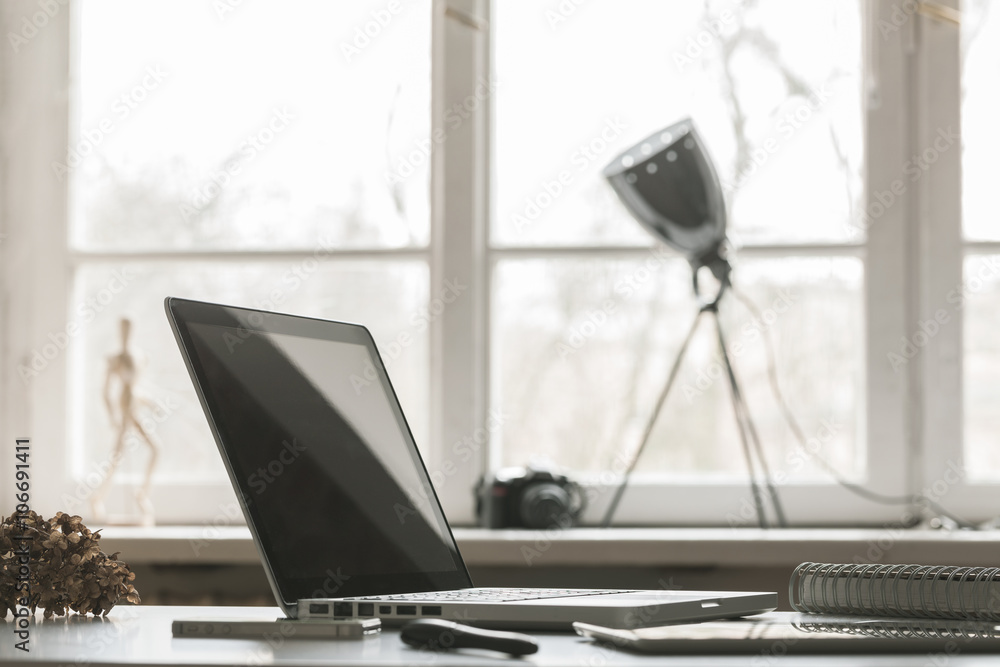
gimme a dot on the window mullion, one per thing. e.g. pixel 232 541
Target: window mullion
pixel 936 334
pixel 460 426
pixel 887 262
pixel 35 270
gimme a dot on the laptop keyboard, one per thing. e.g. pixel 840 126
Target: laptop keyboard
pixel 494 594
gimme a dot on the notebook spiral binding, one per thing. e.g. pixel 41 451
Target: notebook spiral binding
pixel 898 630
pixel 927 591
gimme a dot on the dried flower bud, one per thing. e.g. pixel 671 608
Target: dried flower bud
pixel 68 570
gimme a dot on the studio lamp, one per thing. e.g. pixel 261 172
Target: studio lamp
pixel 668 183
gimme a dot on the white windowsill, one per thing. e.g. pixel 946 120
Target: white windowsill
pixel 654 547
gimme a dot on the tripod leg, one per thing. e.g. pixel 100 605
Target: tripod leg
pixel 758 500
pixel 750 438
pixel 609 515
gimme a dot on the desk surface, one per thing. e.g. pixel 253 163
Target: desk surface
pixel 142 635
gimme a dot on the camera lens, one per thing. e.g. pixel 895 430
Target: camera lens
pixel 545 505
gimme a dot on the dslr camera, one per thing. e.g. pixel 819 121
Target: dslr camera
pixel 528 498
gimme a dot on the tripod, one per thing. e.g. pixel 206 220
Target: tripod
pixel 748 432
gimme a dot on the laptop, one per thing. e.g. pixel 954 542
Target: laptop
pixel 337 498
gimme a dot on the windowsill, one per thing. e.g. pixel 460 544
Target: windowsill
pixel 581 547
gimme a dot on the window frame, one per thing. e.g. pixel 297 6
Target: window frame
pixel 652 501
pixel 912 256
pixel 940 258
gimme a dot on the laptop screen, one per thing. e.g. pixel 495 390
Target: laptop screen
pixel 329 475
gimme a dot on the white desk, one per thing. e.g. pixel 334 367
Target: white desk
pixel 142 635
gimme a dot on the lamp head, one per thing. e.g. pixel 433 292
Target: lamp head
pixel 668 183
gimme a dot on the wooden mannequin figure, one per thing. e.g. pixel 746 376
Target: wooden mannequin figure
pixel 124 416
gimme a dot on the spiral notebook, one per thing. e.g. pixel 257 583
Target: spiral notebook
pixel 917 591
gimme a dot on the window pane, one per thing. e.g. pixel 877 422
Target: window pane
pixel 979 296
pixel 979 299
pixel 389 298
pixel 980 110
pixel 585 346
pixel 772 85
pixel 267 124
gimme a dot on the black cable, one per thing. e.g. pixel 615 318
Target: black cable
pixel 801 440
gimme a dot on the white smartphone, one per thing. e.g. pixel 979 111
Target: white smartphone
pixel 284 628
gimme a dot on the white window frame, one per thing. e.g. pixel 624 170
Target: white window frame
pixel 912 256
pixel 939 255
pixel 651 501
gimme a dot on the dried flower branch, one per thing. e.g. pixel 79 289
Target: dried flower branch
pixel 68 570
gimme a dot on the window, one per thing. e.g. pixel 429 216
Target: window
pixel 980 35
pixel 239 154
pixel 360 161
pixel 588 316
